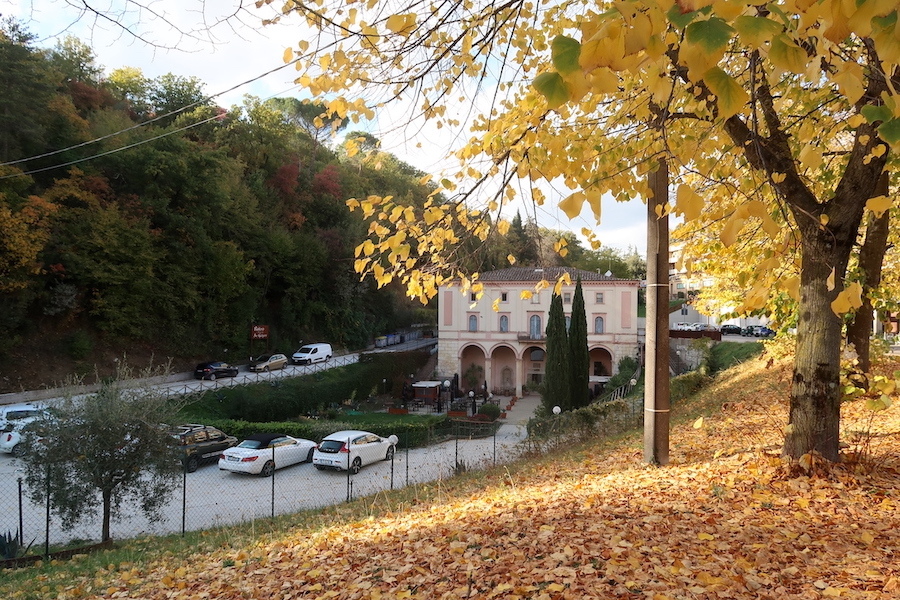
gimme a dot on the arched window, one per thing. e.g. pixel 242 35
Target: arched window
pixel 535 331
pixel 473 322
pixel 598 325
pixel 504 323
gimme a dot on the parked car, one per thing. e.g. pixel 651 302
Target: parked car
pixel 728 329
pixel 749 331
pixel 212 370
pixel 764 332
pixel 311 353
pixel 13 420
pixel 268 362
pixel 201 444
pixel 352 449
pixel 262 453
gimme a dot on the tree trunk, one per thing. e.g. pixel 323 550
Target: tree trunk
pixel 107 511
pixel 871 257
pixel 815 411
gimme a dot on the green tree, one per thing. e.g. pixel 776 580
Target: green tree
pixel 26 88
pixel 557 373
pixel 579 358
pixel 75 61
pixel 105 451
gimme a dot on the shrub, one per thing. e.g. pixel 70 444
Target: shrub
pixel 492 411
pixel 79 345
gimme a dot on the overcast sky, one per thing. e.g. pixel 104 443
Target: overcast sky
pixel 224 47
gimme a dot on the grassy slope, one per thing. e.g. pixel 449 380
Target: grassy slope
pixel 726 519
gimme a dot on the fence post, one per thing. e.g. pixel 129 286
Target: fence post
pixel 184 499
pixel 47 518
pixel 21 521
pixel 407 457
pixel 273 481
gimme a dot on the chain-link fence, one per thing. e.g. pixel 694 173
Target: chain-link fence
pixel 211 497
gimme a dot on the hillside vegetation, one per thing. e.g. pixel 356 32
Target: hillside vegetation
pixel 726 519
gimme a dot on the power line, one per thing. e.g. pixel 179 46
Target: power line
pixel 136 126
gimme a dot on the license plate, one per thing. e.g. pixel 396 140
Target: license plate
pixel 232 458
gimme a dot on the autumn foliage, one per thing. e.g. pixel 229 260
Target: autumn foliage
pixel 726 519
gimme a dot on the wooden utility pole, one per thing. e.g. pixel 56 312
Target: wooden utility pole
pixel 656 367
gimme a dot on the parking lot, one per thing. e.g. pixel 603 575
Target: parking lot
pixel 210 497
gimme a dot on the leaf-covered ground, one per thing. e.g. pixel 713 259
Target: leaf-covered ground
pixel 726 519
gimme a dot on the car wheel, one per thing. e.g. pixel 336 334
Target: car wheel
pixel 356 466
pixel 266 368
pixel 192 463
pixel 310 455
pixel 267 469
pixel 390 453
pixel 18 451
pixel 212 376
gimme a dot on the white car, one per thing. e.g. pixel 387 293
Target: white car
pixel 13 419
pixel 261 454
pixel 352 450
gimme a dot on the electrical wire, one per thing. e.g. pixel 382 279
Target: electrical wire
pixel 203 101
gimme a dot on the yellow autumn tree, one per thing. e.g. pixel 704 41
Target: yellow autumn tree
pixel 778 116
pixel 24 231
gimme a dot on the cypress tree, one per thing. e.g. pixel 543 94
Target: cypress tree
pixel 556 376
pixel 579 359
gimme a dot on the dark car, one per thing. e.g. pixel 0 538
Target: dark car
pixel 730 329
pixel 200 444
pixel 764 332
pixel 211 370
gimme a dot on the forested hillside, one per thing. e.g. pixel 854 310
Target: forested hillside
pixel 138 217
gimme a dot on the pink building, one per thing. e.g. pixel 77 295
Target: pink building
pixel 505 348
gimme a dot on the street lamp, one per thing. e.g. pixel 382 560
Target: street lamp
pixel 556 410
pixel 472 400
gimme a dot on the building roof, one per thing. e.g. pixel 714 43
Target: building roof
pixel 547 273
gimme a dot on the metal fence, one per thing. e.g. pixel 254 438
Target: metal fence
pixel 210 497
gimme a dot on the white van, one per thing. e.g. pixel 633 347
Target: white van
pixel 311 353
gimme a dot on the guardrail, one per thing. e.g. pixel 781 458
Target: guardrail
pixel 199 386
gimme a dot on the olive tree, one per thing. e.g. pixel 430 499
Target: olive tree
pixel 106 451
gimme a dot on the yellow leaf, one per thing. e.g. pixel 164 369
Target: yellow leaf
pixel 829 283
pixel 831 592
pixel 867 538
pixel 878 205
pixel 705 536
pixel 848 300
pixel 511 259
pixel 698 423
pixel 526 295
pixel 731 97
pixel 823 219
pixel 572 205
pixel 688 202
pixel 288 55
pixel 732 229
pixel 403 24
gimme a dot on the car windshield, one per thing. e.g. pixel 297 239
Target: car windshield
pixel 332 445
pixel 263 358
pixel 22 414
pixel 304 350
pixel 252 444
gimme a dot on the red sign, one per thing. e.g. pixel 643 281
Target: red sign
pixel 259 332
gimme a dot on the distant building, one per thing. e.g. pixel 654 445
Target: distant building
pixel 505 349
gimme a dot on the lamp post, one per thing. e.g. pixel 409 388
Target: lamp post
pixel 472 400
pixel 556 411
pixel 445 395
